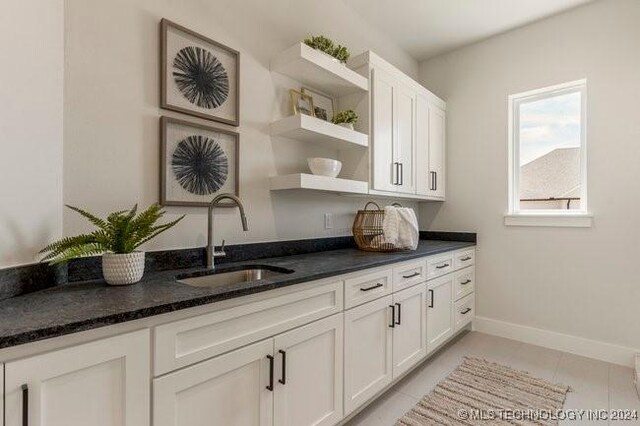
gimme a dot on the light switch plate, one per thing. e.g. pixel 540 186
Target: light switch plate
pixel 328 221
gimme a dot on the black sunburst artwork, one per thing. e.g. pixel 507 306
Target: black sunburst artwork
pixel 200 165
pixel 200 77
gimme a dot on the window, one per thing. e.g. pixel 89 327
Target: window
pixel 547 167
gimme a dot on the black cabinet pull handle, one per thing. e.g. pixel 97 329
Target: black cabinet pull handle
pixel 270 386
pixel 25 405
pixel 283 380
pixel 393 316
pixel 396 174
pixel 431 298
pixel 464 259
pixel 372 287
pixel 399 313
pixel 466 311
pixel 442 266
pixel 465 282
pixel 401 174
pixel 415 274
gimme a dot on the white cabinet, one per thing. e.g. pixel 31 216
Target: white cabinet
pixel 228 390
pixel 394 117
pixel 368 351
pixel 384 129
pixel 436 152
pixel 410 328
pixel 430 149
pixel 405 141
pixel 309 377
pixel 101 383
pixel 294 379
pixel 439 311
pixel 407 133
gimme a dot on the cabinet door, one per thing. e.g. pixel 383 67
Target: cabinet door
pixel 439 311
pixel 405 144
pixel 368 351
pixel 309 374
pixel 410 332
pixel 229 390
pixel 423 181
pixel 102 383
pixel 436 152
pixel 383 104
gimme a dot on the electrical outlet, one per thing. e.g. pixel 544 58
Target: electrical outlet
pixel 328 221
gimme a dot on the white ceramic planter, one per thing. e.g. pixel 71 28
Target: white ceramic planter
pixel 347 125
pixel 123 269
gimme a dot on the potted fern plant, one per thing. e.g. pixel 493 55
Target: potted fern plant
pixel 116 238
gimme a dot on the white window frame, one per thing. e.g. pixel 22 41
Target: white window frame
pixel 545 217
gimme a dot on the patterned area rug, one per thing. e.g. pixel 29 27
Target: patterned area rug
pixel 479 392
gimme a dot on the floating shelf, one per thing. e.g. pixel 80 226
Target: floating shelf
pixel 318 183
pixel 318 70
pixel 314 130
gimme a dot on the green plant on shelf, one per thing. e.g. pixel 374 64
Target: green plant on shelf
pixel 327 46
pixel 121 232
pixel 349 116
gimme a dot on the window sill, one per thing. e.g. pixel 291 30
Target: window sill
pixel 577 220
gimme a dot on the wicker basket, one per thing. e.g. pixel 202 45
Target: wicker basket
pixel 367 229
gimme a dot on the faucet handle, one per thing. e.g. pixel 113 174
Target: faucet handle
pixel 222 246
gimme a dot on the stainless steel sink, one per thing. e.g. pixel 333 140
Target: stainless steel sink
pixel 224 278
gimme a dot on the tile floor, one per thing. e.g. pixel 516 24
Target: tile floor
pixel 596 384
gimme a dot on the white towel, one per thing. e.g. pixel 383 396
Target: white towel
pixel 400 227
pixel 391 225
pixel 408 230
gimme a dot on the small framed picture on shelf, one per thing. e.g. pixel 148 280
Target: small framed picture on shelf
pixel 323 105
pixel 301 103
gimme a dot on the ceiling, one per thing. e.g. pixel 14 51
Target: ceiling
pixel 425 28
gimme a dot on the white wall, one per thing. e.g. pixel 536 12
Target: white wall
pixel 112 114
pixel 32 49
pixel 582 282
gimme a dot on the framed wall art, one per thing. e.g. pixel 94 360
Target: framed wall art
pixel 323 105
pixel 200 76
pixel 198 162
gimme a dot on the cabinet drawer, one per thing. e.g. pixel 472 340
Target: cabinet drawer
pixel 464 258
pixel 439 265
pixel 367 287
pixel 409 273
pixel 185 342
pixel 464 311
pixel 464 282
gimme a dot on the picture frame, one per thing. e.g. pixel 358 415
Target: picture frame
pixel 184 56
pixel 301 103
pixel 324 106
pixel 186 147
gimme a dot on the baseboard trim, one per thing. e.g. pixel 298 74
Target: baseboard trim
pixel 602 351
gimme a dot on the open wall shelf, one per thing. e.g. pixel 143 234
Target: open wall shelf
pixel 314 130
pixel 318 70
pixel 318 183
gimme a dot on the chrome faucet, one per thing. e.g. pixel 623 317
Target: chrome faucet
pixel 211 252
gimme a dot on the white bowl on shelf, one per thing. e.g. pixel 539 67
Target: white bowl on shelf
pixel 324 166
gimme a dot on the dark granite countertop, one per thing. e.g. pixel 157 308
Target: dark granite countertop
pixel 87 305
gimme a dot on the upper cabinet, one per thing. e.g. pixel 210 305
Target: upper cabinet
pixel 407 133
pixel 430 153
